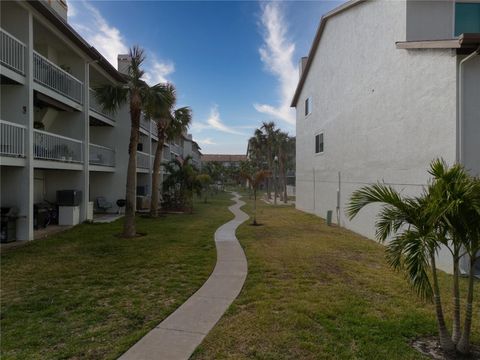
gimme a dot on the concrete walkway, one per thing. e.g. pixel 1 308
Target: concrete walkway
pixel 178 335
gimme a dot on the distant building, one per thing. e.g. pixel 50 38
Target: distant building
pixel 224 160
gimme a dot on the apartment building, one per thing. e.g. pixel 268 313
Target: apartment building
pixel 226 160
pixel 387 87
pixel 53 134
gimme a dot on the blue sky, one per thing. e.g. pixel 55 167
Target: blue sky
pixel 234 62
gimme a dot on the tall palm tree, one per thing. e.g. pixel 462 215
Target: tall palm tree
pixel 140 97
pixel 170 125
pixel 414 244
pixel 270 131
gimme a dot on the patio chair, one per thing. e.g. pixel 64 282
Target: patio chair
pixel 103 204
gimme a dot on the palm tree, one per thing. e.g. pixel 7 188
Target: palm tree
pixel 255 180
pixel 270 134
pixel 141 97
pixel 283 149
pixel 414 244
pixel 182 181
pixel 170 125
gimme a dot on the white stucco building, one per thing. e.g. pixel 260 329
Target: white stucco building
pixel 387 87
pixel 53 134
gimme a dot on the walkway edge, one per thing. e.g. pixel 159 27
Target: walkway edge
pixel 177 337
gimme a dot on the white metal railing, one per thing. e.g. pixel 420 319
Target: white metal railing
pixel 145 123
pixel 48 146
pixel 95 106
pixel 55 78
pixel 12 52
pixel 12 139
pixel 101 155
pixel 143 160
pixel 176 149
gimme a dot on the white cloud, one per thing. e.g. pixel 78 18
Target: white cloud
pixel 277 55
pixel 158 71
pixel 110 42
pixel 214 122
pixel 206 141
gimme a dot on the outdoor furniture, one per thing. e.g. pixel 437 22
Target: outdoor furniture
pixel 121 204
pixel 103 204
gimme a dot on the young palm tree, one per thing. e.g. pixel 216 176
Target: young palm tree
pixel 140 97
pixel 170 125
pixel 455 209
pixel 255 180
pixel 182 181
pixel 414 244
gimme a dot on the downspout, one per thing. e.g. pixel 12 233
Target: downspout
pixel 460 103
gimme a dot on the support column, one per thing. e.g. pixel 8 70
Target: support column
pixel 86 142
pixel 25 222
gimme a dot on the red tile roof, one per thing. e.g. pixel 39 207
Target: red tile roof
pixel 223 158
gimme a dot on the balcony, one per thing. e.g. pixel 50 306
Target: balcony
pixel 101 155
pixel 12 139
pixel 55 78
pixel 145 123
pixel 143 160
pixel 176 149
pixel 96 107
pixel 48 146
pixel 12 54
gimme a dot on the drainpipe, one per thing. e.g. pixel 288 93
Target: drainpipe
pixel 460 103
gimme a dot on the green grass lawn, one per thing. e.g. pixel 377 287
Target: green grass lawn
pixel 87 294
pixel 318 292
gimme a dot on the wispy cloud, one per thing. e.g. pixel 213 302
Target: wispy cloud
pixel 158 71
pixel 206 141
pixel 214 122
pixel 277 55
pixel 109 40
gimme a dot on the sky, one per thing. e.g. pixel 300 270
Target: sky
pixel 235 63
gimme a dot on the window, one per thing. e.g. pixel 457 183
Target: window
pixel 319 143
pixel 308 106
pixel 467 18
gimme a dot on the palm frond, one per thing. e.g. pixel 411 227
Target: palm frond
pixel 111 97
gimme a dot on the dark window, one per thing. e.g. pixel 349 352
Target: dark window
pixel 308 106
pixel 319 143
pixel 467 18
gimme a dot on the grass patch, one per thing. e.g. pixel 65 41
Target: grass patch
pixel 88 294
pixel 319 292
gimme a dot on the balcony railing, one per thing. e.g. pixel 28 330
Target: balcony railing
pixel 95 106
pixel 55 78
pixel 143 160
pixel 12 54
pixel 177 149
pixel 101 155
pixel 12 139
pixel 145 123
pixel 48 146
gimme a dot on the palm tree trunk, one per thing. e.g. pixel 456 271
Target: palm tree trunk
pixel 456 330
pixel 464 344
pixel 156 175
pixel 129 229
pixel 446 342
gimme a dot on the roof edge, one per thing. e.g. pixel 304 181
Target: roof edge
pixel 311 54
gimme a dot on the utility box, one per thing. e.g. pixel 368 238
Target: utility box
pixel 329 217
pixel 68 215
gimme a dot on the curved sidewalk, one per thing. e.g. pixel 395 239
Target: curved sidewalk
pixel 177 336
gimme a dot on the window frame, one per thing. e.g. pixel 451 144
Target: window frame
pixel 309 101
pixel 319 134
